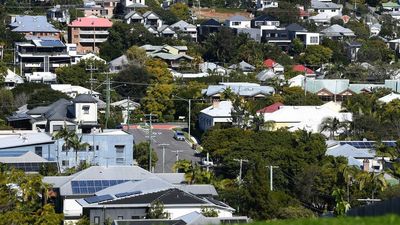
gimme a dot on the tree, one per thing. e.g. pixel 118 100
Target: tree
pixel 315 55
pixel 332 125
pixel 77 145
pixel 342 206
pixel 137 55
pixel 6 102
pixel 209 212
pixel 286 13
pixel 141 155
pixel 375 50
pixel 156 211
pixel 180 10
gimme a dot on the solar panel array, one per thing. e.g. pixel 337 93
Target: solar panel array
pixel 367 144
pixel 100 198
pixel 51 43
pixel 124 194
pixel 92 186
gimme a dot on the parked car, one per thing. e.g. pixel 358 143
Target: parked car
pixel 179 136
pixel 204 162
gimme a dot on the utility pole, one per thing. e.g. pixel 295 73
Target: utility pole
pixel 91 69
pixel 150 136
pixel 241 167
pixel 108 100
pixel 271 184
pixel 163 156
pixel 190 112
pixel 127 113
pixel 177 154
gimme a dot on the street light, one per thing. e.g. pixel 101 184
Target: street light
pixel 189 101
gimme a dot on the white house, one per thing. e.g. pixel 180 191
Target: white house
pixel 390 97
pixel 12 79
pixel 218 113
pixel 126 106
pixel 73 90
pixel 266 4
pixel 127 3
pixel 238 21
pixel 306 117
pixel 325 11
pixel 41 77
pixel 185 28
pixel 375 29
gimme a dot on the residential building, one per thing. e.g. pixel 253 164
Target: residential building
pixel 243 66
pixel 390 97
pixel 79 115
pixel 253 33
pixel 307 118
pixel 88 33
pixel 133 3
pixel 269 74
pixel 337 32
pixel 166 31
pixel 152 19
pixel 264 20
pixel 271 108
pixel 210 67
pixel 58 14
pixel 174 56
pixel 133 17
pixel 304 70
pixel 127 106
pixel 34 26
pixel 100 8
pixel 325 11
pixel 238 21
pixel 43 55
pixel 275 35
pixel 390 7
pixel 11 80
pixel 375 29
pixel 217 114
pixel 117 64
pixel 246 90
pixel 182 28
pixel 73 90
pixel 41 77
pixel 28 162
pixel 274 66
pixel 352 49
pixel 308 38
pixel 208 27
pixel 266 4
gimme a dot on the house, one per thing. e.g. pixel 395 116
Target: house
pixel 308 38
pixel 11 80
pixel 390 7
pixel 325 11
pixel 133 3
pixel 264 20
pixel 34 26
pixel 352 49
pixel 88 33
pixel 238 21
pixel 183 28
pixel 80 115
pixel 126 106
pixel 174 56
pixel 58 14
pixel 266 4
pixel 275 35
pixel 43 55
pixel 209 67
pixel 73 90
pixel 269 74
pixel 253 33
pixel 41 77
pixel 28 162
pixel 337 32
pixel 208 27
pixel 218 113
pixel 246 90
pixel 270 109
pixel 166 31
pixel 242 66
pixel 117 64
pixel 303 70
pixel 307 118
pixel 152 19
pixel 375 29
pixel 274 66
pixel 133 17
pixel 390 97
pixel 17 142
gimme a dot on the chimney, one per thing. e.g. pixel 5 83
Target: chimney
pixel 366 165
pixel 215 103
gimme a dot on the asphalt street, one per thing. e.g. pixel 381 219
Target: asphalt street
pixel 165 137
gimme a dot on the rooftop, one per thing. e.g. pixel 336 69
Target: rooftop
pixel 8 141
pixel 91 21
pixel 24 23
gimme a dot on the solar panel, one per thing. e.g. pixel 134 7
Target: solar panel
pixel 51 43
pixel 124 194
pixel 100 198
pixel 92 186
pixel 367 144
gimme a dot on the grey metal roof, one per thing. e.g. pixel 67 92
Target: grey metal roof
pixel 26 23
pixel 315 4
pixel 266 74
pixel 242 89
pixel 168 56
pixel 335 86
pixel 347 150
pixel 150 15
pixel 295 27
pixel 84 98
pixel 136 5
pixel 238 18
pixel 337 31
pixel 244 66
pixel 133 15
pixel 24 139
pixel 199 189
pixel 28 157
pixel 182 25
pixel 173 178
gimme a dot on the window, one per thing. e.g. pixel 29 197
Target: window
pixel 85 109
pixel 90 148
pixel 120 217
pixel 119 161
pixel 314 40
pixel 119 148
pixel 65 163
pixel 38 151
pixel 235 23
pixel 97 220
pixel 97 147
pixel 333 10
pixel 135 217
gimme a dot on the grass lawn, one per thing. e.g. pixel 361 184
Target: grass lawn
pixel 380 220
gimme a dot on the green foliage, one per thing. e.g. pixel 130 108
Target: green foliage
pixel 141 155
pixel 180 10
pixel 296 96
pixel 83 221
pixel 360 30
pixel 6 102
pixel 137 55
pixel 374 50
pixel 286 13
pixel 388 219
pixel 156 211
pixel 342 206
pixel 295 212
pixel 134 75
pixel 209 212
pixel 315 55
pixel 194 174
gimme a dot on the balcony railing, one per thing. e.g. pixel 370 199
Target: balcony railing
pixel 98 32
pixel 91 40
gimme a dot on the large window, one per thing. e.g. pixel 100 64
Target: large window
pixel 119 148
pixel 65 163
pixel 97 220
pixel 38 151
pixel 313 40
pixel 85 109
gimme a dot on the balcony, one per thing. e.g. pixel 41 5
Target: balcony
pixel 56 65
pixel 33 65
pixel 91 40
pixel 92 32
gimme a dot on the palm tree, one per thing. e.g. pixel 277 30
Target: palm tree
pixel 331 124
pixel 76 144
pixel 376 180
pixel 64 134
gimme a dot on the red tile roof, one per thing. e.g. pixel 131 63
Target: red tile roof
pixel 301 68
pixel 90 22
pixel 269 63
pixel 271 108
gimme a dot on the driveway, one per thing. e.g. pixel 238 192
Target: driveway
pixel 165 137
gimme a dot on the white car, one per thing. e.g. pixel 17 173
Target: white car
pixel 207 163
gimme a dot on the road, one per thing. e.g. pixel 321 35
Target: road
pixel 165 136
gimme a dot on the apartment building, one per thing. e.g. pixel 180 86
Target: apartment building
pixel 88 33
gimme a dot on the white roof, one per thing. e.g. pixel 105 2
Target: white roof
pixel 24 139
pixel 41 76
pixel 296 81
pixel 28 157
pixel 124 104
pixel 12 77
pixel 223 109
pixel 390 97
pixel 68 88
pixel 92 57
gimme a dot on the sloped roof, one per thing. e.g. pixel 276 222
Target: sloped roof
pixel 242 89
pixel 150 15
pixel 26 23
pixel 55 111
pixel 168 56
pixel 91 21
pixel 265 18
pixel 302 69
pixel 337 30
pixel 223 109
pixel 271 108
pixel 244 66
pixel 390 4
pixel 295 27
pixel 335 86
pixel 133 15
pixel 119 61
pixel 390 97
pixel 238 18
pixel 28 157
pixel 210 23
pixel 136 5
pixel 182 25
pixel 359 88
pixel 269 63
pixel 347 150
pixel 26 139
pixel 266 75
pixel 315 4
pixel 84 98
